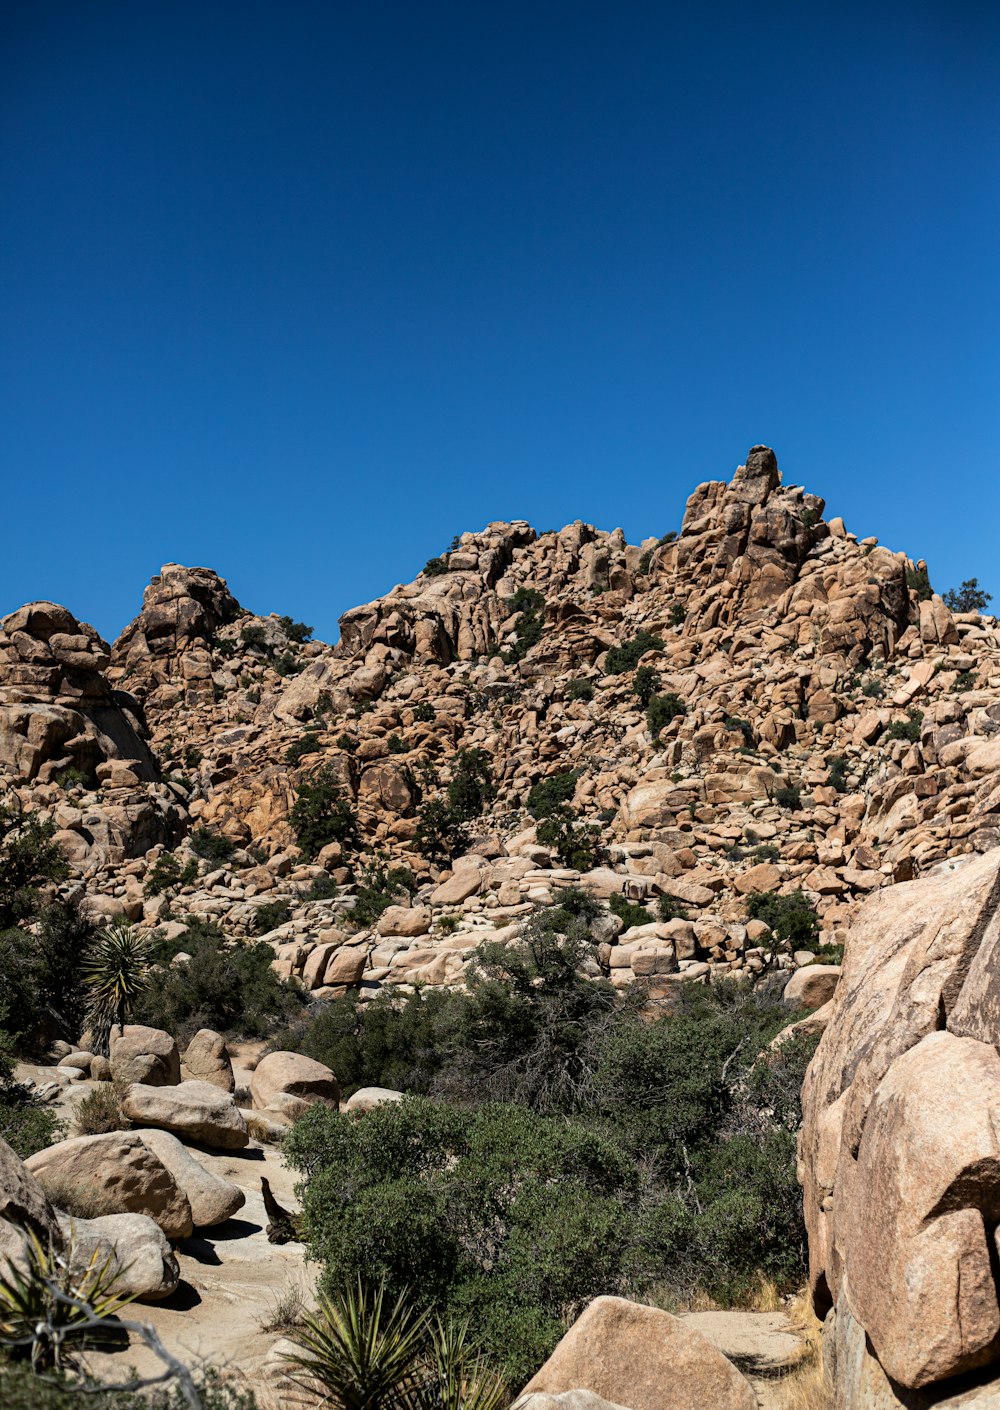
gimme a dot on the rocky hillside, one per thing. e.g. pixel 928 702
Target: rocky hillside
pixel 758 703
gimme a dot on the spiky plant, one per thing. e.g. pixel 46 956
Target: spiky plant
pixel 455 1377
pixel 116 975
pixel 365 1354
pixel 48 1310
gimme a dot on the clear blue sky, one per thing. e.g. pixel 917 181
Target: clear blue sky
pixel 299 291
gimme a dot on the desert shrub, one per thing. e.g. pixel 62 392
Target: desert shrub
pixel 837 778
pixel 423 712
pixel 322 888
pixel 789 796
pixel 669 908
pixel 792 919
pixel 270 915
pixel 645 684
pixel 212 847
pixel 676 614
pixel 577 844
pixel 434 567
pixel 320 814
pixel 644 563
pixel 661 710
pixel 550 793
pixel 918 581
pixel 965 680
pixel 439 834
pixel 254 637
pixel 627 656
pixel 226 985
pixel 873 689
pixel 471 785
pixel 580 690
pixel 29 863
pixel 100 1111
pixel 26 1123
pixel 766 852
pixel 288 664
pixel 295 631
pixel 167 873
pixel 670 537
pixel 299 748
pixel 629 912
pixel 378 888
pixel 908 729
pixel 397 745
pixel 529 604
pixel 734 723
pixel 24 1390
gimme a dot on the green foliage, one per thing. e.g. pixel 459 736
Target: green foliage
pixel 347 743
pixel 226 985
pixel 254 637
pixel 166 873
pixel 26 1123
pixel 471 785
pixel 270 915
pixel 24 1390
pixel 577 844
pixel 308 743
pixel 288 664
pixel 439 833
pixel 379 888
pixel 745 728
pixel 29 862
pixel 627 656
pixel 970 597
pixel 766 852
pixel 918 581
pixel 323 888
pixel 965 680
pixel 423 712
pixel 100 1111
pixel 809 517
pixel 789 796
pixel 320 814
pixel 295 631
pixel 669 908
pixel 580 690
pixel 397 745
pixel 212 847
pixel 629 912
pixel 837 779
pixel 873 689
pixel 792 918
pixel 670 537
pixel 661 710
pixel 530 605
pixel 676 615
pixel 908 729
pixel 116 973
pixel 644 563
pixel 645 684
pixel 550 793
pixel 434 567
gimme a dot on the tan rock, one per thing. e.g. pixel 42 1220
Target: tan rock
pixel 404 920
pixel 643 1358
pixel 135 1248
pixel 458 888
pixel 212 1199
pixel 146 1055
pixel 114 1173
pixel 24 1206
pixel 206 1059
pixel 296 1080
pixel 198 1111
pixel 812 987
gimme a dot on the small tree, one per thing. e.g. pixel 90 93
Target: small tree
pixel 116 973
pixel 970 597
pixel 320 815
pixel 645 684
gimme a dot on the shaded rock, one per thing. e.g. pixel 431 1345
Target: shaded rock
pixel 146 1055
pixel 24 1206
pixel 812 987
pixel 137 1247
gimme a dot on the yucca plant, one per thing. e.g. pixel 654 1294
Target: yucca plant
pixel 455 1377
pixel 364 1353
pixel 45 1304
pixel 116 974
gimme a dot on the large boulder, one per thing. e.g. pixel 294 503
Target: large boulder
pixel 197 1111
pixel 115 1173
pixel 134 1245
pixel 642 1358
pixel 147 1055
pixel 24 1206
pixel 290 1083
pixel 812 987
pixel 212 1199
pixel 206 1059
pixel 365 1098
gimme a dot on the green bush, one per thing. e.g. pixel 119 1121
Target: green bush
pixel 789 796
pixel 627 656
pixel 669 908
pixel 580 690
pixel 167 873
pixel 792 919
pixel 471 785
pixel 918 581
pixel 299 748
pixel 530 607
pixel 661 710
pixel 629 912
pixel 970 597
pixel 380 887
pixel 212 847
pixel 677 614
pixel 347 743
pixel 295 631
pixel 837 779
pixel 226 985
pixel 908 729
pixel 550 793
pixel 254 637
pixel 434 567
pixel 645 684
pixel 577 844
pixel 270 915
pixel 440 834
pixel 423 712
pixel 26 1123
pixel 320 814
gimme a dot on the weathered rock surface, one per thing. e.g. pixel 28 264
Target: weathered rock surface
pixel 291 1083
pixel 24 1206
pixel 146 1055
pixel 134 1246
pixel 206 1059
pixel 114 1173
pixel 212 1199
pixel 198 1111
pixel 643 1358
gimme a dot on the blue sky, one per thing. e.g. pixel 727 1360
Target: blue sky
pixel 300 291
